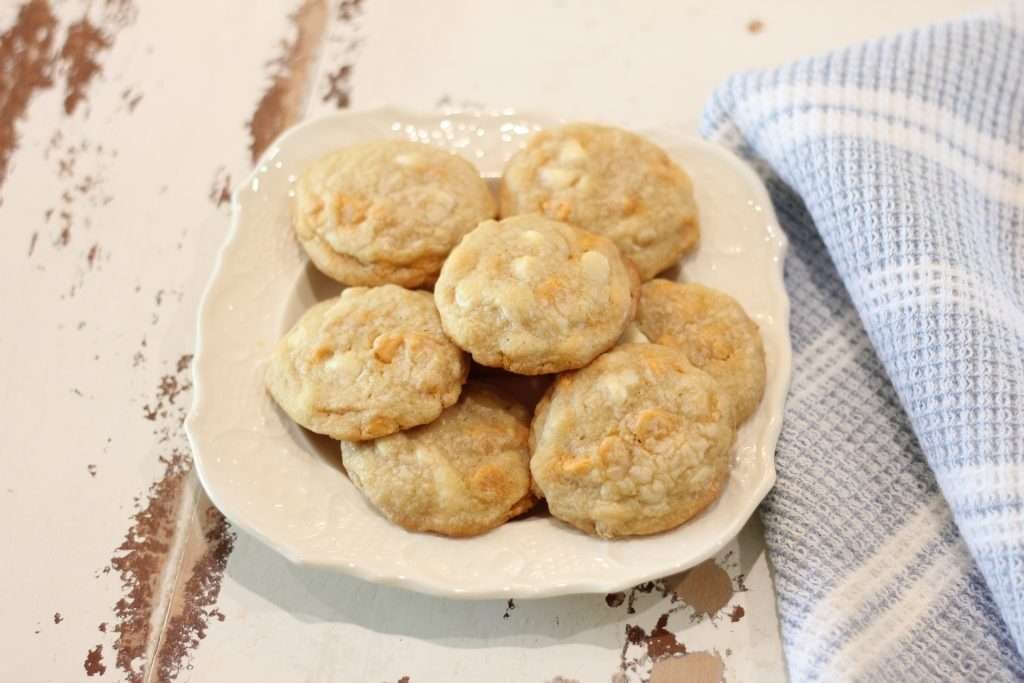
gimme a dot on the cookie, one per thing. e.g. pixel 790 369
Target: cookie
pixel 535 296
pixel 366 364
pixel 714 331
pixel 608 181
pixel 387 211
pixel 461 475
pixel 635 443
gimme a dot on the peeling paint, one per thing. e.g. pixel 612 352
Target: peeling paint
pixel 25 52
pixel 93 664
pixel 614 599
pixel 282 102
pixel 338 87
pixel 220 189
pixel 706 588
pixel 696 667
pixel 185 608
pixel 79 55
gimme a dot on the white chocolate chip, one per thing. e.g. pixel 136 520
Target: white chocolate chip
pixel 524 267
pixel 646 236
pixel 571 151
pixel 334 238
pixel 297 337
pixel 447 482
pixel 411 160
pixel 595 266
pixel 343 365
pixel 617 385
pixel 641 473
pixel 556 178
pixel 440 206
pixel 466 293
pixel 517 302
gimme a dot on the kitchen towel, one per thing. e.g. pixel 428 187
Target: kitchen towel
pixel 896 528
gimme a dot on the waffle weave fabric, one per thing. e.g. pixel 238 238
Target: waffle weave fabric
pixel 897 525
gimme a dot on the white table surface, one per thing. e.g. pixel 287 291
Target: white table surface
pixel 121 132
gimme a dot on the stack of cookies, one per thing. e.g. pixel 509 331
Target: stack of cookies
pixel 613 396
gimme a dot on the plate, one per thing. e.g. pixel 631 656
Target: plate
pixel 286 487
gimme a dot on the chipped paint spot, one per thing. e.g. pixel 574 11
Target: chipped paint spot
pixel 131 99
pixel 737 613
pixel 91 469
pixel 755 26
pixel 706 588
pixel 82 46
pixel 339 88
pixel 184 362
pixel 65 234
pixel 220 189
pixel 509 608
pixel 349 9
pixel 93 664
pixel 645 589
pixel 662 642
pixel 696 667
pixel 281 104
pixel 57 618
pixel 614 599
pixel 168 391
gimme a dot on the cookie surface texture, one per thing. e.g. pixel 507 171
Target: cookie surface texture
pixel 366 364
pixel 611 182
pixel 714 331
pixel 461 475
pixel 635 443
pixel 387 211
pixel 535 296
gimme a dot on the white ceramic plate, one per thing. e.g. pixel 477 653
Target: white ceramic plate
pixel 286 486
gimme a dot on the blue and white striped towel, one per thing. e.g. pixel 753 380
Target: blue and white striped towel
pixel 897 524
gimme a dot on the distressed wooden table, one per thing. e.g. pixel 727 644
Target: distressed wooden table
pixel 123 126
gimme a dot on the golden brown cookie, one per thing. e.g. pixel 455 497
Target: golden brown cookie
pixel 714 331
pixel 387 211
pixel 635 443
pixel 366 364
pixel 461 475
pixel 608 181
pixel 535 296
